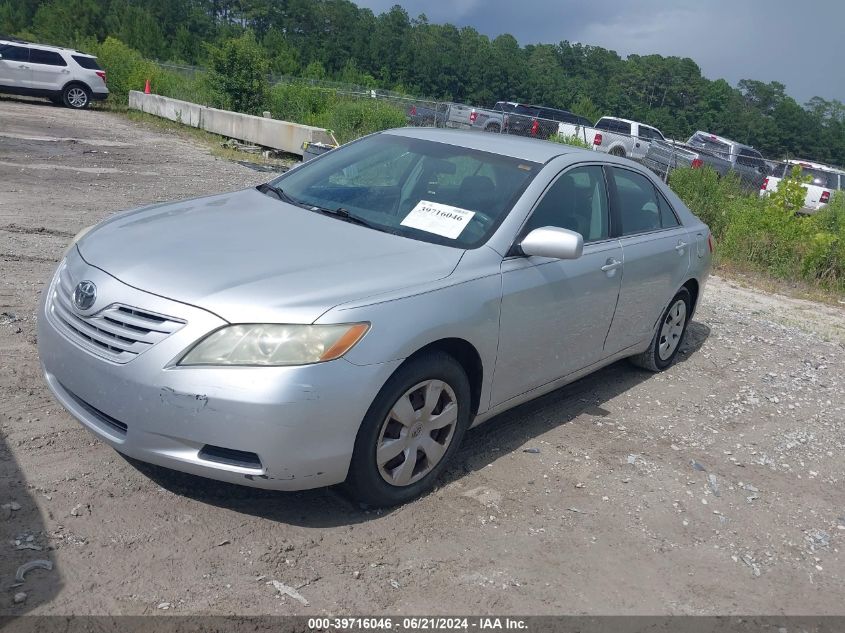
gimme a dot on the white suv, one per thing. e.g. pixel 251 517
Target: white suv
pixel 63 75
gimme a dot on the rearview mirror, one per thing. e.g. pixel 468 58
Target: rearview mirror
pixel 554 242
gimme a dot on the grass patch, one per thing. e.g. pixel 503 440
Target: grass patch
pixel 765 235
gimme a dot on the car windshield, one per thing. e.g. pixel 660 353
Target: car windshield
pixel 416 188
pixel 709 144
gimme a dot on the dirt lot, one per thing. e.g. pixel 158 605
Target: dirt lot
pixel 716 487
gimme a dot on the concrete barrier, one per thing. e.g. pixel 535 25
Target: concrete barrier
pixel 281 135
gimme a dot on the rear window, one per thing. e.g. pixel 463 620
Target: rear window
pixel 612 125
pixel 820 177
pixel 87 62
pixel 414 187
pixel 710 144
pixel 48 58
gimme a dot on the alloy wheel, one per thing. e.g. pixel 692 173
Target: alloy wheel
pixel 77 98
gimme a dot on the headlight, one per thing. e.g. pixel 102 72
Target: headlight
pixel 275 345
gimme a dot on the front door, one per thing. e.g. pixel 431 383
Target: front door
pixel 555 314
pixel 655 254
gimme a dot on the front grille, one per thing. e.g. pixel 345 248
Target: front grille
pixel 229 456
pixel 105 418
pixel 118 332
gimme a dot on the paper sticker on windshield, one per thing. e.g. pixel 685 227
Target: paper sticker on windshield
pixel 440 219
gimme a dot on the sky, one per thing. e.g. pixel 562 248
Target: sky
pixel 798 43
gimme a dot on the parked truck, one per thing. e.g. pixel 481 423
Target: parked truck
pixel 717 152
pixel 821 182
pixel 612 135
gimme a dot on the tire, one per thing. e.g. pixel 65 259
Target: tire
pixel 76 97
pixel 618 151
pixel 667 339
pixel 393 478
pixel 493 127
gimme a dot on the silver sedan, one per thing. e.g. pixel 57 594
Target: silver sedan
pixel 350 320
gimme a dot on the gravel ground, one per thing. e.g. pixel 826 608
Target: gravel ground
pixel 713 488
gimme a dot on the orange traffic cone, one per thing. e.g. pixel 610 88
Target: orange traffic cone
pixel 147 87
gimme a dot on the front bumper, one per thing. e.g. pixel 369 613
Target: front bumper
pixel 299 423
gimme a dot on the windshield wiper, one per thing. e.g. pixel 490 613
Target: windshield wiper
pixel 344 215
pixel 278 192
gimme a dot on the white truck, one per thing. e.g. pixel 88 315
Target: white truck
pixel 612 135
pixel 823 182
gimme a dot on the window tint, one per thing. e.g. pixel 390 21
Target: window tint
pixel 14 53
pixel 638 205
pixel 576 201
pixel 612 125
pixel 49 58
pixel 87 62
pixel 668 219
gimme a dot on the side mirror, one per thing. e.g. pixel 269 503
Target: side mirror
pixel 551 241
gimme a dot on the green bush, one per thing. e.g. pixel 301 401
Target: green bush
pixel 574 141
pixel 126 69
pixel 237 77
pixel 347 117
pixel 765 233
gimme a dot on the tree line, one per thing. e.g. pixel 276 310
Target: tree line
pixel 335 39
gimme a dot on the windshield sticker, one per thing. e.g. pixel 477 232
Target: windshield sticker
pixel 440 219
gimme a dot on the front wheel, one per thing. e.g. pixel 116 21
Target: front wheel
pixel 76 97
pixel 413 427
pixel 670 333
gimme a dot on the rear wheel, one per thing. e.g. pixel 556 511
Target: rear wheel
pixel 493 127
pixel 670 333
pixel 618 151
pixel 76 96
pixel 413 427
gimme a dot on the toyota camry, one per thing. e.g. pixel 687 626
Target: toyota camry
pixel 351 319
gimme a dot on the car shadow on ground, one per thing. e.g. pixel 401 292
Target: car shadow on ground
pixel 329 507
pixel 24 538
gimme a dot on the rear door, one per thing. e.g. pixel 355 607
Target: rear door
pixel 555 314
pixel 655 256
pixel 49 69
pixel 14 66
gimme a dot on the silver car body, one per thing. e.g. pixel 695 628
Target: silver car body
pixel 168 274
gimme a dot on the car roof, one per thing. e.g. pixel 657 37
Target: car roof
pixel 520 147
pixel 48 47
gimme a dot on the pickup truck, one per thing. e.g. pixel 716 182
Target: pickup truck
pixel 523 119
pixel 620 137
pixel 703 148
pixel 822 182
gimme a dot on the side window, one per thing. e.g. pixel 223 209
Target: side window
pixel 623 128
pixel 577 201
pixel 668 219
pixel 638 205
pixel 14 53
pixel 49 58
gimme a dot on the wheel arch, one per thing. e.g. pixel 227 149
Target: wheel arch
pixel 76 82
pixel 693 287
pixel 467 356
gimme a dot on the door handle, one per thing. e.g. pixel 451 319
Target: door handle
pixel 681 246
pixel 612 264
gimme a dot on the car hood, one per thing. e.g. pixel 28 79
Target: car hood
pixel 248 257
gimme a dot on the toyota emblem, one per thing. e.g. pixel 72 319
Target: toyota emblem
pixel 84 295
